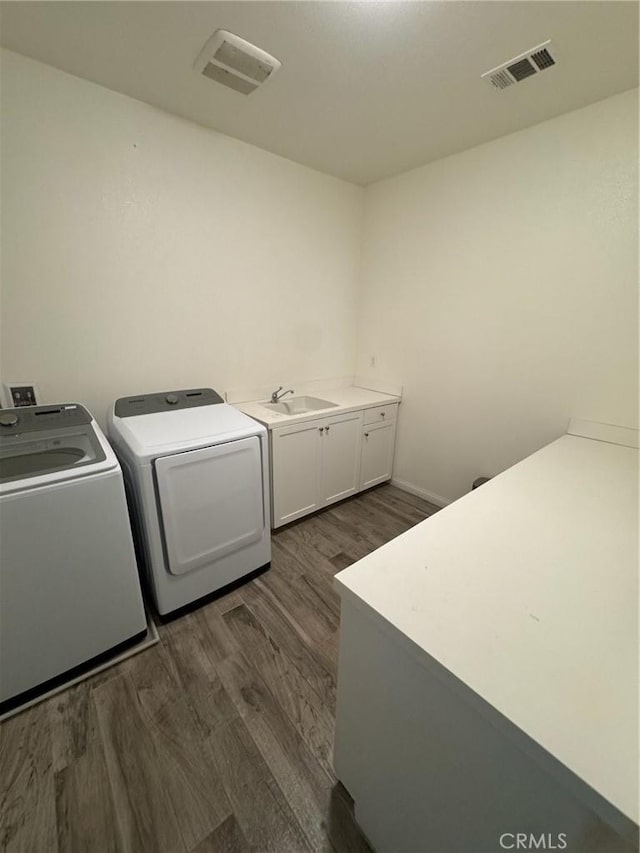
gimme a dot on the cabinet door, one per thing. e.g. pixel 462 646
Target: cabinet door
pixel 377 454
pixel 295 469
pixel 340 443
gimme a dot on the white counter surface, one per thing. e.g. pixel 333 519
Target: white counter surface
pixel 526 591
pixel 349 399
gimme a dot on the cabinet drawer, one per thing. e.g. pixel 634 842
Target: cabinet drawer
pixel 380 414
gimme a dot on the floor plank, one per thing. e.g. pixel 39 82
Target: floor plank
pixel 347 535
pixel 407 497
pixel 86 816
pixel 226 838
pixel 406 513
pixel 306 709
pixel 317 540
pixel 329 649
pixel 341 561
pixel 145 814
pixel 27 798
pixel 258 803
pixel 315 571
pixel 73 724
pixel 210 621
pixel 194 655
pixel 378 526
pixel 294 643
pixel 303 782
pixel 319 804
pixel 300 600
pixel 183 759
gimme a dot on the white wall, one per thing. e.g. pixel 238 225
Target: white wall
pixel 500 286
pixel 142 252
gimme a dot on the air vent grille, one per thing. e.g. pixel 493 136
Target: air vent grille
pixel 231 56
pixel 521 70
pixel 236 63
pixel 501 80
pixel 520 67
pixel 214 72
pixel 543 59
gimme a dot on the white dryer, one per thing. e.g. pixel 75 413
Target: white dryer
pixel 198 473
pixel 69 585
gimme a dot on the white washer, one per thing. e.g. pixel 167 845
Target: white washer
pixel 69 585
pixel 198 472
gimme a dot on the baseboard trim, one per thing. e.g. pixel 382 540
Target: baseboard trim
pixel 432 497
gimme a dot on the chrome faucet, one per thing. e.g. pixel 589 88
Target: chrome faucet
pixel 276 395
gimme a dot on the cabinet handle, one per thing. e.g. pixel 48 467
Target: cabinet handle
pixel 321 429
pixel 382 414
pixel 327 428
pixel 366 435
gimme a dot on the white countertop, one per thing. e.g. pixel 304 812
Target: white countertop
pixel 526 591
pixel 349 399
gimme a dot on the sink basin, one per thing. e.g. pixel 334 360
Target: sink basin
pixel 299 405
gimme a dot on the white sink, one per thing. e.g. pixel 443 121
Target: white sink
pixel 299 405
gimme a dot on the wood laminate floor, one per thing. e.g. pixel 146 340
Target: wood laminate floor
pixel 219 738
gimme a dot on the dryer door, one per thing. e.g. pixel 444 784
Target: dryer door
pixel 211 502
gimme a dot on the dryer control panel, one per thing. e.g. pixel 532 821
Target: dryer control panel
pixel 165 401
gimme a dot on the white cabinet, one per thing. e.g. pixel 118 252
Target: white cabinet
pixel 340 467
pixel 295 471
pixel 314 464
pixel 377 453
pixel 318 462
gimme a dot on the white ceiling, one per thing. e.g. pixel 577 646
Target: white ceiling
pixel 366 89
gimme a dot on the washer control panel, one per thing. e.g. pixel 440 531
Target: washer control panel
pixel 165 401
pixel 38 418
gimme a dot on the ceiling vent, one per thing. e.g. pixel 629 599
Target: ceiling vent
pixel 236 63
pixel 520 67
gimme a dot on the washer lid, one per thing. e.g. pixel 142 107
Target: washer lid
pixel 41 445
pixel 32 455
pixel 159 433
